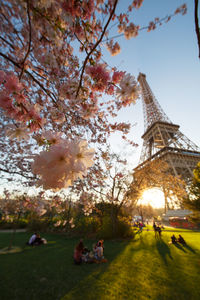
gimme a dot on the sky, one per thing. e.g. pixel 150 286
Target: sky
pixel 169 58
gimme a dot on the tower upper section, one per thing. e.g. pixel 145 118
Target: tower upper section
pixel 151 108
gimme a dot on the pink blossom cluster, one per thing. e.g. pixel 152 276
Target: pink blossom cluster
pixel 117 76
pixel 100 76
pixel 128 90
pixel 86 201
pixel 182 9
pixel 113 48
pixel 152 26
pixel 21 204
pixel 136 4
pixel 131 31
pixel 18 133
pixel 62 223
pixel 15 103
pixel 76 9
pixel 62 164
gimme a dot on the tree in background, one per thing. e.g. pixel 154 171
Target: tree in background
pixel 15 206
pixel 192 201
pixel 108 182
pixel 157 174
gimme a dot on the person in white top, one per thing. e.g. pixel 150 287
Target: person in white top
pixel 32 239
pixel 99 251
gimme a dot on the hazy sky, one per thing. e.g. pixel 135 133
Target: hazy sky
pixel 169 58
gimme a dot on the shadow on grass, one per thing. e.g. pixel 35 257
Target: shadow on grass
pixel 48 271
pixel 182 247
pixel 179 246
pixel 163 250
pixel 189 248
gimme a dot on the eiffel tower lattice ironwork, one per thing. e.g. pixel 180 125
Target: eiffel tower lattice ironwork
pixel 163 140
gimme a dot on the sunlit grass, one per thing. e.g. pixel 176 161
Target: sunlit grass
pixel 8 250
pixel 144 268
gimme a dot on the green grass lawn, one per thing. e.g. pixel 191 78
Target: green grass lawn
pixel 142 268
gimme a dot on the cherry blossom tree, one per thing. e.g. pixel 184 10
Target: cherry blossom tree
pixel 14 206
pixel 108 181
pixel 55 87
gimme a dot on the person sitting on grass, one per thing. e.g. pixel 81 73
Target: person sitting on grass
pixel 98 251
pixel 39 241
pixel 36 240
pixel 32 239
pixel 85 255
pixel 78 252
pixel 181 240
pixel 173 239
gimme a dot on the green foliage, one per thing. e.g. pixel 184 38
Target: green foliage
pixel 108 220
pixel 192 201
pixel 38 224
pixel 197 172
pixel 86 226
pixel 105 231
pixel 19 224
pixel 124 229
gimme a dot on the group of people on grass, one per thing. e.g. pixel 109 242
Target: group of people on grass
pixel 157 229
pixel 83 254
pixel 139 225
pixel 36 240
pixel 175 240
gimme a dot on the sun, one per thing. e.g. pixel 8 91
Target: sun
pixel 154 197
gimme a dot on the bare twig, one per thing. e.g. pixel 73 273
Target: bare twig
pixel 29 43
pixel 7 42
pixel 95 46
pixel 18 173
pixel 197 29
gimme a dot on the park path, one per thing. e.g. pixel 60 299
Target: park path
pixel 11 230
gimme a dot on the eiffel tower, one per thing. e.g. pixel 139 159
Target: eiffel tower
pixel 162 138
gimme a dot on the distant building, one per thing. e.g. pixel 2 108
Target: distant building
pixel 137 218
pixel 176 213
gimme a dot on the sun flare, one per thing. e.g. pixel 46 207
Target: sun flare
pixel 154 197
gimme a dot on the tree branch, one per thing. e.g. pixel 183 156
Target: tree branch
pixel 95 46
pixel 196 2
pixel 15 172
pixel 29 43
pixel 34 79
pixel 7 42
